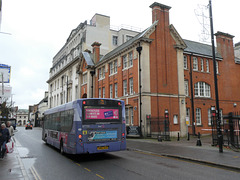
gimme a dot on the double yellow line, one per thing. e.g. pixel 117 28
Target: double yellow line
pixel 35 174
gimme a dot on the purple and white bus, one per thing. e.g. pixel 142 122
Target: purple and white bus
pixel 86 126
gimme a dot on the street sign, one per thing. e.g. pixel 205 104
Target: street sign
pixel 187 121
pixel 5 71
pixel 7 92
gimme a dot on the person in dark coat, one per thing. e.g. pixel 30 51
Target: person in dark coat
pixel 4 138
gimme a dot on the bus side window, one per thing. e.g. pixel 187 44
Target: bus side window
pixel 62 117
pixel 58 122
pixel 50 121
pixel 69 120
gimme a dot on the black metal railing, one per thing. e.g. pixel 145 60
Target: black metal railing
pixel 158 127
pixel 230 128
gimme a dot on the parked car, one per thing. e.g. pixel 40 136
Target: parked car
pixel 28 126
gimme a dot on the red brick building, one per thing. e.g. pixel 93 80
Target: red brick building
pixel 171 70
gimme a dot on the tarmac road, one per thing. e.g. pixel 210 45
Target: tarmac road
pixel 144 159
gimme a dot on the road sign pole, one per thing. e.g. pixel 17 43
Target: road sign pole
pixel 2 84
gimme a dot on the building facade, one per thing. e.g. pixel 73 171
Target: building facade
pixel 33 110
pixel 158 71
pixel 22 117
pixel 64 82
pixel 36 112
pixel 42 107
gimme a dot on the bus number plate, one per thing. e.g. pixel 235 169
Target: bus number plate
pixel 102 147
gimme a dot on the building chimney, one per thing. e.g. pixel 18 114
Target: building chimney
pixel 96 51
pixel 160 12
pixel 225 45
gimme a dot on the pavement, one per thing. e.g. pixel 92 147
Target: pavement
pixel 12 167
pixel 189 151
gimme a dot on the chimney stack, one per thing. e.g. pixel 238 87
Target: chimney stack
pixel 160 12
pixel 225 44
pixel 96 51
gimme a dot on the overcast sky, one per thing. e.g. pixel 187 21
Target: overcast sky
pixel 39 29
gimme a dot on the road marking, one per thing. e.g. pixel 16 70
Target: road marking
pixel 87 169
pixel 78 164
pixel 99 176
pixel 35 174
pixel 235 156
pixel 22 168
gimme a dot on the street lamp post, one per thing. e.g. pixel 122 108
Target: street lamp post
pixel 139 49
pixel 219 133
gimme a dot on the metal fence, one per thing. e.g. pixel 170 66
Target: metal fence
pixel 158 127
pixel 229 128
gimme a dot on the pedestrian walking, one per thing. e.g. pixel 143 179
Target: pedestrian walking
pixel 4 138
pixel 10 128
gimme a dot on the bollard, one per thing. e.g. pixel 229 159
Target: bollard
pixel 159 138
pixel 199 143
pixel 188 136
pixel 178 137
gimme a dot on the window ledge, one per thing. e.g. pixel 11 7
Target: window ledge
pixel 112 74
pixel 202 97
pixel 127 68
pixel 101 79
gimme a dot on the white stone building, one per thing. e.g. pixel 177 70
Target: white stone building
pixel 22 117
pixel 64 80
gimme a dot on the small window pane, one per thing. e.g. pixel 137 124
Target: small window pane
pixel 195 64
pixel 198 116
pixel 185 62
pixel 175 119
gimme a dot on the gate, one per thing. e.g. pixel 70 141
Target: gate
pixel 214 130
pixel 230 130
pixel 158 127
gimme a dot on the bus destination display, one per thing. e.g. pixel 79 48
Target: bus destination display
pixel 101 114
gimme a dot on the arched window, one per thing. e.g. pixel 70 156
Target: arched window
pixel 202 89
